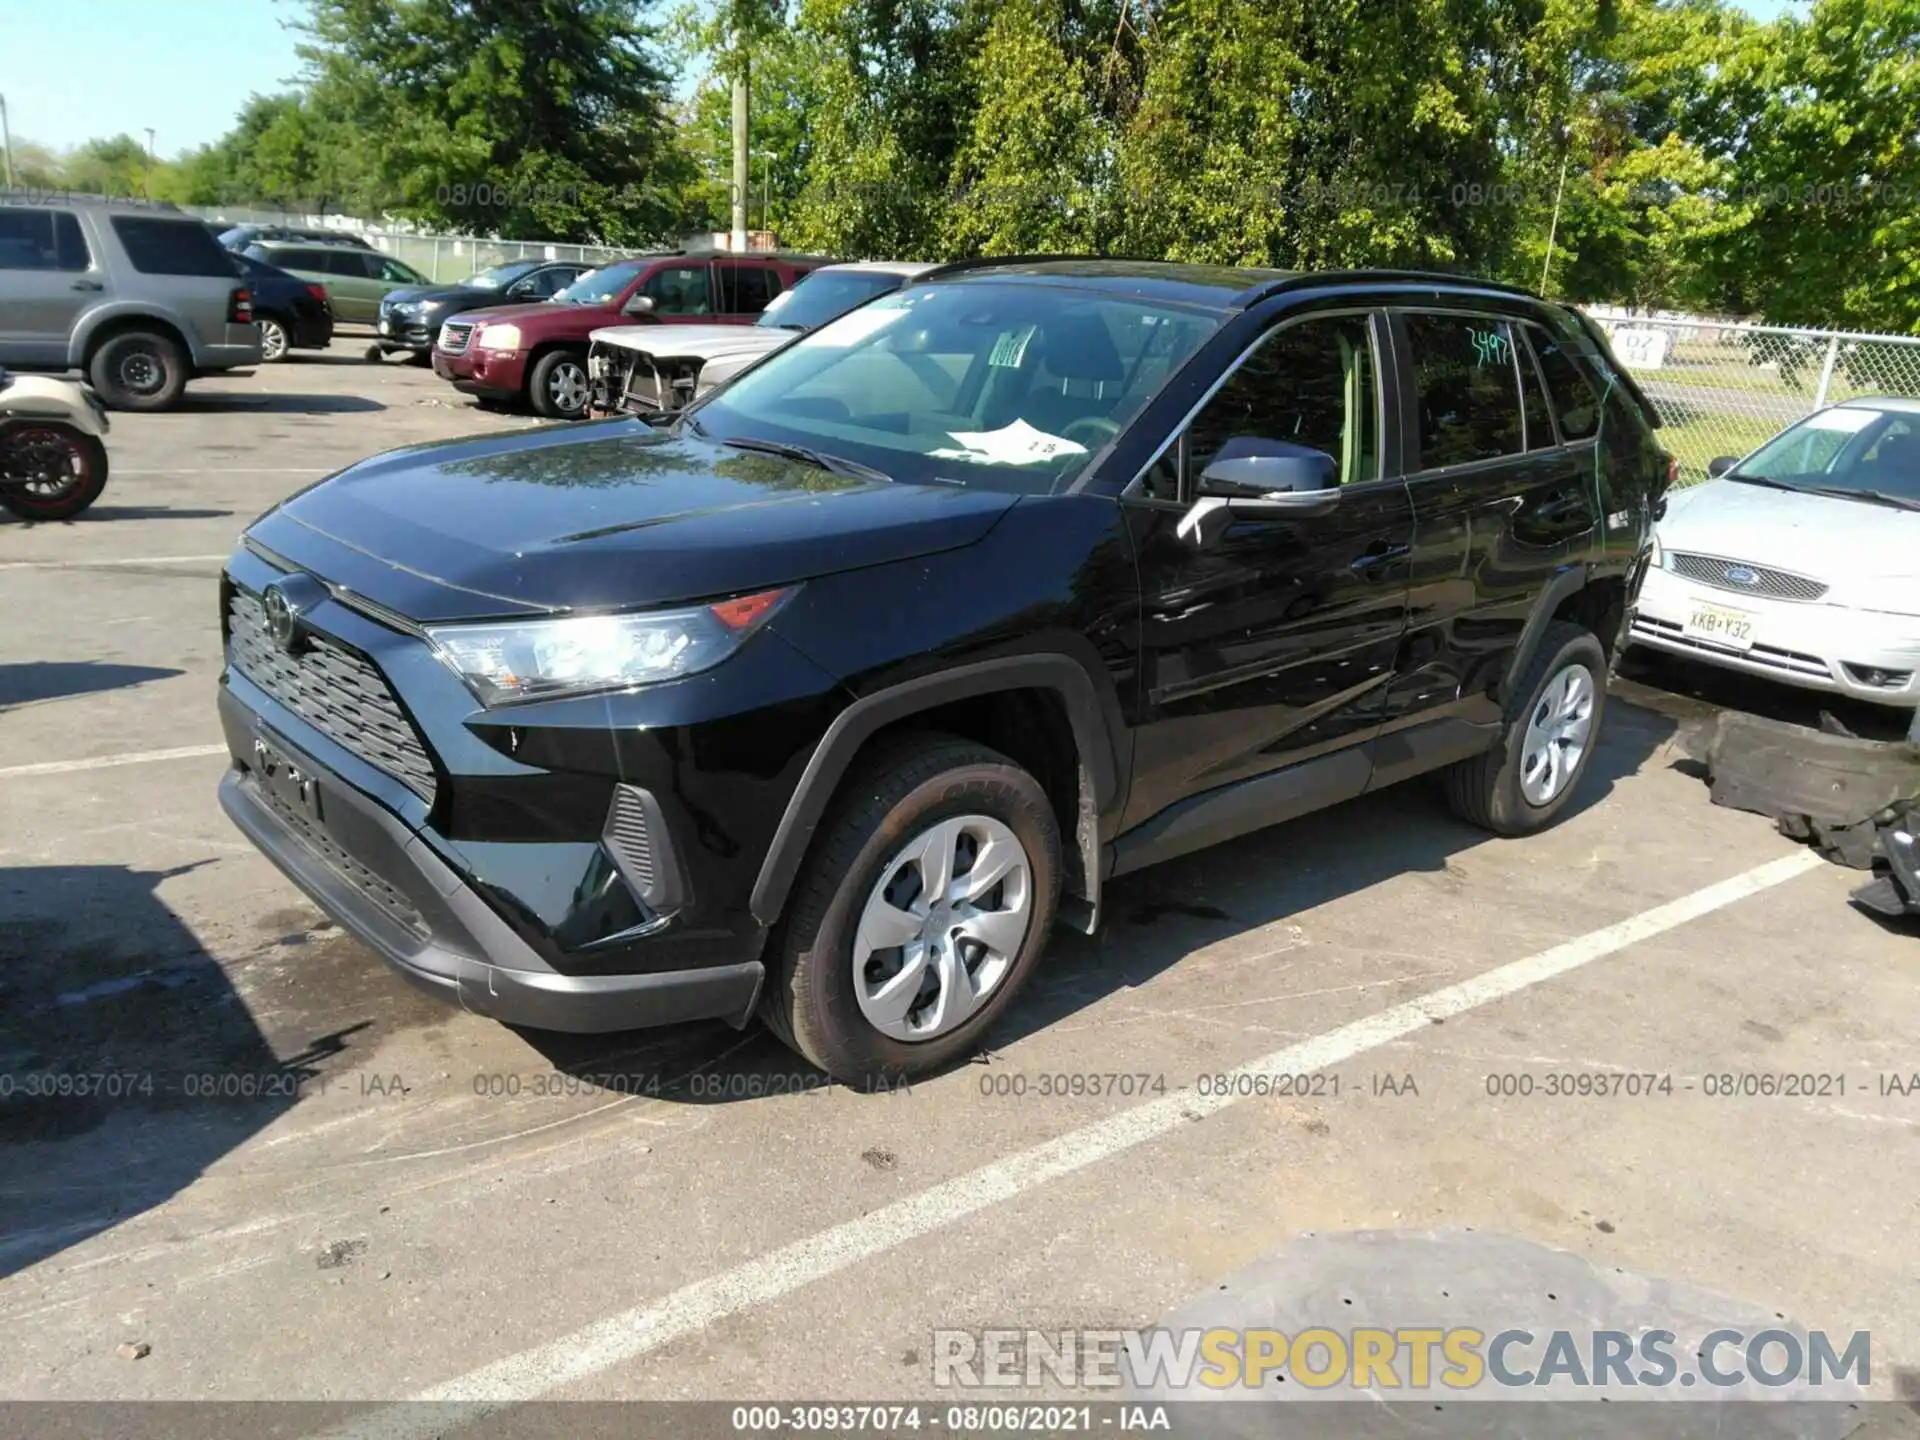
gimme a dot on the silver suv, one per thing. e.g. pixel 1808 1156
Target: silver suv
pixel 138 296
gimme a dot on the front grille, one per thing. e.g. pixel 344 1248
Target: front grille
pixel 342 863
pixel 1776 584
pixel 337 691
pixel 454 336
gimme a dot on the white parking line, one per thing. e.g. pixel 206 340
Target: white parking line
pixel 92 564
pixel 103 762
pixel 631 1334
pixel 238 470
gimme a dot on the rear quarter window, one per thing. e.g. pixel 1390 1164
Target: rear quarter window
pixel 172 247
pixel 1575 400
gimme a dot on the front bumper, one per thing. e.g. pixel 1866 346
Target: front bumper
pixel 492 374
pixel 402 333
pixel 1817 646
pixel 385 884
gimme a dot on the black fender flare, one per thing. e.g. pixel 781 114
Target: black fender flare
pixel 853 726
pixel 1564 585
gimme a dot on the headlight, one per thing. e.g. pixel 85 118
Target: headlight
pixel 498 337
pixel 1657 557
pixel 534 659
pixel 1891 595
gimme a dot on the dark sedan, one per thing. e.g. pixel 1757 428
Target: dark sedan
pixel 293 313
pixel 410 318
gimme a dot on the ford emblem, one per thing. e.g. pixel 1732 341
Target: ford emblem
pixel 1741 575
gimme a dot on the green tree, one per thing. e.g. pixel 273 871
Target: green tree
pixel 1817 122
pixel 1031 171
pixel 514 117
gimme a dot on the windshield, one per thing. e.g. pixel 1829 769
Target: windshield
pixel 825 295
pixel 596 287
pixel 1009 386
pixel 1850 449
pixel 501 276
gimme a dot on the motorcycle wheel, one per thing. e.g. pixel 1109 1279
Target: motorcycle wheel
pixel 50 471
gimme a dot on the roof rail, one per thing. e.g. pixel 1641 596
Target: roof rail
pixel 988 262
pixel 1308 278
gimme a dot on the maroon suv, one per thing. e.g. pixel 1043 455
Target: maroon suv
pixel 540 351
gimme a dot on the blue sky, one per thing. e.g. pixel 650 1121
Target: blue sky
pixel 75 69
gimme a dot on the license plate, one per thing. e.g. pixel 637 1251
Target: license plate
pixel 286 782
pixel 1720 626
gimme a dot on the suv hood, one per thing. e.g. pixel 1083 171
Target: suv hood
pixel 607 514
pixel 693 342
pixel 1814 535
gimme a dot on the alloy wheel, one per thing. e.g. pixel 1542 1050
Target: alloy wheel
pixel 942 927
pixel 273 340
pixel 45 465
pixel 567 387
pixel 1558 731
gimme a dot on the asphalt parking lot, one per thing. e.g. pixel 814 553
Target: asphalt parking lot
pixel 414 1201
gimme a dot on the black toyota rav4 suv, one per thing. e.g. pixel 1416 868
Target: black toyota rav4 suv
pixel 826 700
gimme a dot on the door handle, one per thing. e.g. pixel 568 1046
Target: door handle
pixel 1378 556
pixel 87 285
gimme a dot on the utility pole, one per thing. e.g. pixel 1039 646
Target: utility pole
pixel 742 174
pixel 6 141
pixel 146 183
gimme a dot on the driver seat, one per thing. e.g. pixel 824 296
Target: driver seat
pixel 1077 372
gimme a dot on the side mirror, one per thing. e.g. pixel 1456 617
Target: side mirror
pixel 1259 479
pixel 1720 465
pixel 638 305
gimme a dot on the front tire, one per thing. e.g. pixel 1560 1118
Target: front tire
pixel 559 386
pixel 1522 785
pixel 139 370
pixel 50 471
pixel 922 909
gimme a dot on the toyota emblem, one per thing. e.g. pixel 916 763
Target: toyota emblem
pixel 282 616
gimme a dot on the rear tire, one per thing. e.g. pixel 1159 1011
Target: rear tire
pixel 865 882
pixel 138 370
pixel 559 387
pixel 1553 725
pixel 63 470
pixel 275 339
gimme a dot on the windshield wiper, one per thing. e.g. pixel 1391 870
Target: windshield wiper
pixel 819 459
pixel 1879 497
pixel 1745 479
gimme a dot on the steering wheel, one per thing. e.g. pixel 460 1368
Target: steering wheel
pixel 1092 431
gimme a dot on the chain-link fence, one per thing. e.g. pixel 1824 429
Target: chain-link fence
pixel 1724 388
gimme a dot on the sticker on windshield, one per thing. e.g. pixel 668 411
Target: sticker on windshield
pixel 1015 444
pixel 1010 349
pixel 1846 421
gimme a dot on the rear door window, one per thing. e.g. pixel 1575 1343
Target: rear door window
pixel 1575 400
pixel 679 290
pixel 1466 381
pixel 172 247
pixel 747 289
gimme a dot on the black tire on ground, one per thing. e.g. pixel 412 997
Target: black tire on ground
pixel 1487 788
pixel 138 370
pixel 276 340
pixel 85 467
pixel 558 386
pixel 897 794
